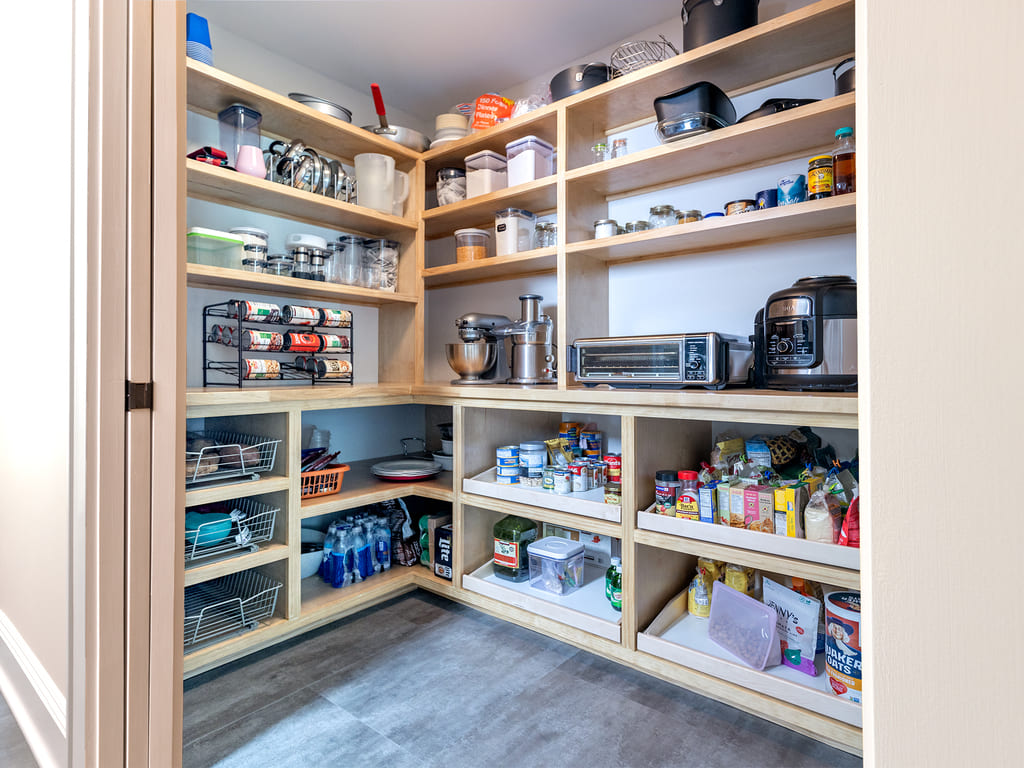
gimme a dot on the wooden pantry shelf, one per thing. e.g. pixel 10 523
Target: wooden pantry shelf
pixel 794 134
pixel 540 122
pixel 222 401
pixel 360 487
pixel 543 514
pixel 234 489
pixel 320 599
pixel 228 187
pixel 762 560
pixel 540 261
pixel 268 632
pixel 587 504
pixel 203 570
pixel 535 196
pixel 805 40
pixel 814 218
pixel 204 276
pixel 682 638
pixel 209 90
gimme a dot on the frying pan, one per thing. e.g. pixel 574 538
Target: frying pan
pixel 407 137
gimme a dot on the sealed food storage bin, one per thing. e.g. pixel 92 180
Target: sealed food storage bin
pixel 513 231
pixel 556 565
pixel 485 173
pixel 471 244
pixel 239 127
pixel 214 248
pixel 529 158
pixel 745 627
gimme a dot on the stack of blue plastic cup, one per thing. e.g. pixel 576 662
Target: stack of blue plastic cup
pixel 197 39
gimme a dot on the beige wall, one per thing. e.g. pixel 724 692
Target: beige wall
pixel 36 299
pixel 939 118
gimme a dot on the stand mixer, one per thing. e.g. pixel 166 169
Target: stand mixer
pixel 485 357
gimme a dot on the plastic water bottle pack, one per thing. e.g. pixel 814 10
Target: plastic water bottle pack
pixel 356 548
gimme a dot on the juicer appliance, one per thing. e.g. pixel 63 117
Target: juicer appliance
pixel 506 351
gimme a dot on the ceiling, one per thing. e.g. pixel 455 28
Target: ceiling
pixel 431 54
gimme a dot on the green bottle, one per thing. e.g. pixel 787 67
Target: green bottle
pixel 511 536
pixel 613 584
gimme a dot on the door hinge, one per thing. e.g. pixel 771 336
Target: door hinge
pixel 138 395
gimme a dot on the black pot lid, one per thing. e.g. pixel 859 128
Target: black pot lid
pixel 771 106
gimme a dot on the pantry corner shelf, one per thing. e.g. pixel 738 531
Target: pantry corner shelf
pixel 320 599
pixel 587 608
pixel 228 187
pixel 813 218
pixel 359 487
pixel 794 133
pixel 540 122
pixel 804 40
pixel 535 196
pixel 538 261
pixel 204 276
pixel 682 638
pixel 209 90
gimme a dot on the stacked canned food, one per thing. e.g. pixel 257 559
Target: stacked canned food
pixel 573 462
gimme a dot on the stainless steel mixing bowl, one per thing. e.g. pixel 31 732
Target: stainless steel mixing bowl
pixel 470 359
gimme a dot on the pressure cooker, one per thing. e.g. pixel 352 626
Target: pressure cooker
pixel 810 335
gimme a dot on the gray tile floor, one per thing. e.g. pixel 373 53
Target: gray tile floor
pixel 14 751
pixel 421 681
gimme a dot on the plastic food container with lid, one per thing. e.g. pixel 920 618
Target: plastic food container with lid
pixel 471 244
pixel 556 565
pixel 382 254
pixel 451 186
pixel 745 627
pixel 529 158
pixel 239 126
pixel 280 264
pixel 486 172
pixel 513 231
pixel 214 248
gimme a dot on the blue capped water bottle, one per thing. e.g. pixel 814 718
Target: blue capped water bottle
pixel 338 560
pixel 382 544
pixel 350 573
pixel 364 553
pixel 325 564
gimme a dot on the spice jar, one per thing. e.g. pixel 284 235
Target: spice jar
pixel 512 534
pixel 451 185
pixel 685 217
pixel 619 148
pixel 600 152
pixel 688 501
pixel 662 216
pixel 605 228
pixel 613 493
pixel 471 244
pixel 666 491
pixel 641 226
pixel 280 264
pixel 819 177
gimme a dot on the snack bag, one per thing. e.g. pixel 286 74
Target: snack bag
pixel 813 590
pixel 740 578
pixel 699 598
pixel 849 536
pixel 797 625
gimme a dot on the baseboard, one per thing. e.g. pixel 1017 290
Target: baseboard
pixel 34 699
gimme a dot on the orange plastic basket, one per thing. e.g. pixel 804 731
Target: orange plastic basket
pixel 323 482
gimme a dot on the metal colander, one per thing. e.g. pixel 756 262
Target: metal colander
pixel 637 54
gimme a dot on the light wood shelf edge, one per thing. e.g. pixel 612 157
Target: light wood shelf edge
pixel 235 490
pixel 268 552
pixel 567 519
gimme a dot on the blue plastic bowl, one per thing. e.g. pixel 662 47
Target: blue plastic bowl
pixel 215 527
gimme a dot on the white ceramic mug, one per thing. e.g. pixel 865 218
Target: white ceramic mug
pixel 250 161
pixel 377 180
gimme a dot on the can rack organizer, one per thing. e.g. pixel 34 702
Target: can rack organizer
pixel 233 372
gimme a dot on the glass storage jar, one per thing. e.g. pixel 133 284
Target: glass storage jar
pixel 546 235
pixel 512 534
pixel 280 264
pixel 662 216
pixel 451 185
pixel 302 265
pixel 382 256
pixel 350 264
pixel 605 228
pixel 317 264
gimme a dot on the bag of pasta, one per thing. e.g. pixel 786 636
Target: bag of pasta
pixel 699 598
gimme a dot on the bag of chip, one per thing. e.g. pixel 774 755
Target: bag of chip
pixel 699 597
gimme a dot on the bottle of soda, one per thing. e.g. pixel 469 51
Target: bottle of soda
pixel 613 583
pixel 325 563
pixel 844 163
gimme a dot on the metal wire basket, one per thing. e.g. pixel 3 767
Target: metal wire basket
pixel 230 604
pixel 243 532
pixel 637 54
pixel 231 456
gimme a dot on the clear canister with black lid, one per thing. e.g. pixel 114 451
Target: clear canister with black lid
pixel 302 266
pixel 349 252
pixel 380 257
pixel 317 264
pixel 280 264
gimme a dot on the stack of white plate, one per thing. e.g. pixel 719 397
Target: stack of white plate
pixel 406 469
pixel 449 127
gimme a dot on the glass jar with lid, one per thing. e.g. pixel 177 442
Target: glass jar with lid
pixel 280 264
pixel 546 234
pixel 512 534
pixel 600 152
pixel 605 228
pixel 302 262
pixel 382 255
pixel 317 265
pixel 662 216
